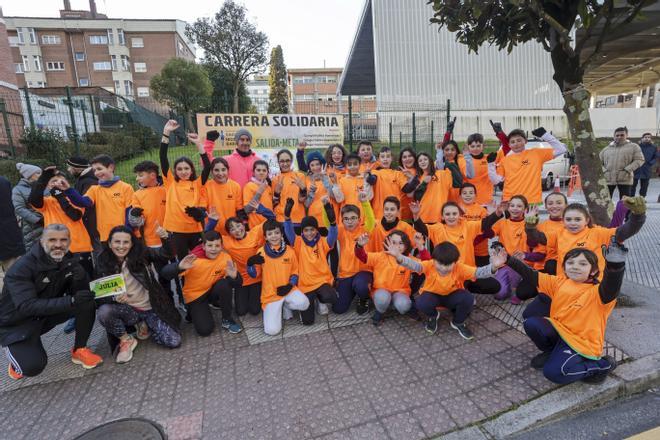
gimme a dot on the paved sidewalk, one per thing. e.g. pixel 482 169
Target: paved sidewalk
pixel 342 378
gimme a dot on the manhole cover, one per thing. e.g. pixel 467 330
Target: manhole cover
pixel 125 429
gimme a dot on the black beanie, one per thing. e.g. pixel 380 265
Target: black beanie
pixel 309 221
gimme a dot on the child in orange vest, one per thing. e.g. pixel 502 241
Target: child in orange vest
pixel 571 339
pixel 316 280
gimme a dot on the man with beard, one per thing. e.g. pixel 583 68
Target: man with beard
pixel 45 288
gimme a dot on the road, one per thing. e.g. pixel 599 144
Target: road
pixel 620 419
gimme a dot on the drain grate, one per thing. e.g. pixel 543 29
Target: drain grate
pixel 125 429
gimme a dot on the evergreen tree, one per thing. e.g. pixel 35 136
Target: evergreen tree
pixel 278 99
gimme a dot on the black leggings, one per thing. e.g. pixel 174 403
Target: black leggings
pixel 29 357
pixel 326 294
pixel 183 242
pixel 199 309
pixel 483 286
pixel 247 299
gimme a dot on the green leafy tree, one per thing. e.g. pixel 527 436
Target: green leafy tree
pixel 278 100
pixel 232 42
pixel 573 32
pixel 223 91
pixel 182 85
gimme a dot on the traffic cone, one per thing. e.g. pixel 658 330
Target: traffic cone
pixel 557 187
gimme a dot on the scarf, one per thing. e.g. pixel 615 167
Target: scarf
pixel 247 153
pixel 273 253
pixel 109 183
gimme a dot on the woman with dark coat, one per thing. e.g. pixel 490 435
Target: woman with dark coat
pixel 11 239
pixel 145 304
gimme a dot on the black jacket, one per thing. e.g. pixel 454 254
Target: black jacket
pixel 11 239
pixel 36 287
pixel 161 301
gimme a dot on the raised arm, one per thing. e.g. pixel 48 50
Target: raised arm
pixel 170 126
pixel 558 147
pixel 615 266
pixel 300 157
pixel 637 207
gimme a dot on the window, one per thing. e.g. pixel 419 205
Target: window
pixel 83 82
pixel 125 63
pixel 120 37
pixel 19 35
pixel 111 37
pixel 18 68
pixel 98 39
pixel 80 56
pixel 303 79
pixel 114 62
pixel 128 88
pixel 33 36
pixel 326 79
pixel 140 67
pixel 51 39
pixel 117 87
pixel 143 92
pixel 102 65
pixel 26 63
pixel 54 65
pixel 37 63
pixel 610 100
pixel 137 42
pixel 13 41
pixel 39 84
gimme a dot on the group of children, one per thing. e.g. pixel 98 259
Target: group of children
pixel 413 237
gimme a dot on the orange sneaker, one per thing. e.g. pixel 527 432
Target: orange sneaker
pixel 86 358
pixel 13 373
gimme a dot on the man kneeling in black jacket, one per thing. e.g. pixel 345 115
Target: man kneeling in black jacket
pixel 44 288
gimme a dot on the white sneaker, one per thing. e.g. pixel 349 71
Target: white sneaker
pixel 142 331
pixel 126 348
pixel 286 313
pixel 322 308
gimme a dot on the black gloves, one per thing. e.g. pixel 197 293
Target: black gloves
pixel 242 215
pixel 371 179
pixel 212 135
pixel 497 126
pixel 82 297
pixel 79 273
pixel 330 213
pixel 491 157
pixel 538 132
pixel 284 290
pixel 450 125
pixel 255 259
pixel 196 212
pixel 46 175
pixel 57 193
pixel 288 207
pixel 137 212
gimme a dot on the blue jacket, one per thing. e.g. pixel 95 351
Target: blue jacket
pixel 650 153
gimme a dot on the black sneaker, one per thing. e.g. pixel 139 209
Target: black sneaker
pixel 600 377
pixel 362 306
pixel 538 361
pixel 462 330
pixel 432 324
pixel 377 318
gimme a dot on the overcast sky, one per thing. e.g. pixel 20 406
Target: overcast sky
pixel 310 32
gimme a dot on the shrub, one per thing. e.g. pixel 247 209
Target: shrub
pixel 42 143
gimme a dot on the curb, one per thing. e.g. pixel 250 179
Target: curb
pixel 628 379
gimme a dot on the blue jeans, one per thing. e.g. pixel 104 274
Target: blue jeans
pixel 348 288
pixel 565 365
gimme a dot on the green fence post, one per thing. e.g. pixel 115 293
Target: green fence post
pixel 28 105
pixel 400 141
pixel 390 144
pixel 5 120
pixel 84 115
pixel 350 122
pixel 74 130
pixel 91 106
pixel 448 111
pixel 431 131
pixel 414 132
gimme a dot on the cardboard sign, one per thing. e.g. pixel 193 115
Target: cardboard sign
pixel 108 286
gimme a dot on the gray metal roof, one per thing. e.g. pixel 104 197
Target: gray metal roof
pixel 359 77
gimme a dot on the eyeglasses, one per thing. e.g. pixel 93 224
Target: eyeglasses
pixel 284 160
pixel 350 219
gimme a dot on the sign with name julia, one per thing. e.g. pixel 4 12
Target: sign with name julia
pixel 111 285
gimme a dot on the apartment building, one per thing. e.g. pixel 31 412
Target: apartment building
pixel 258 92
pixel 84 48
pixel 314 91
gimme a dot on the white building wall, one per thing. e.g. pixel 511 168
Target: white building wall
pixel 415 62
